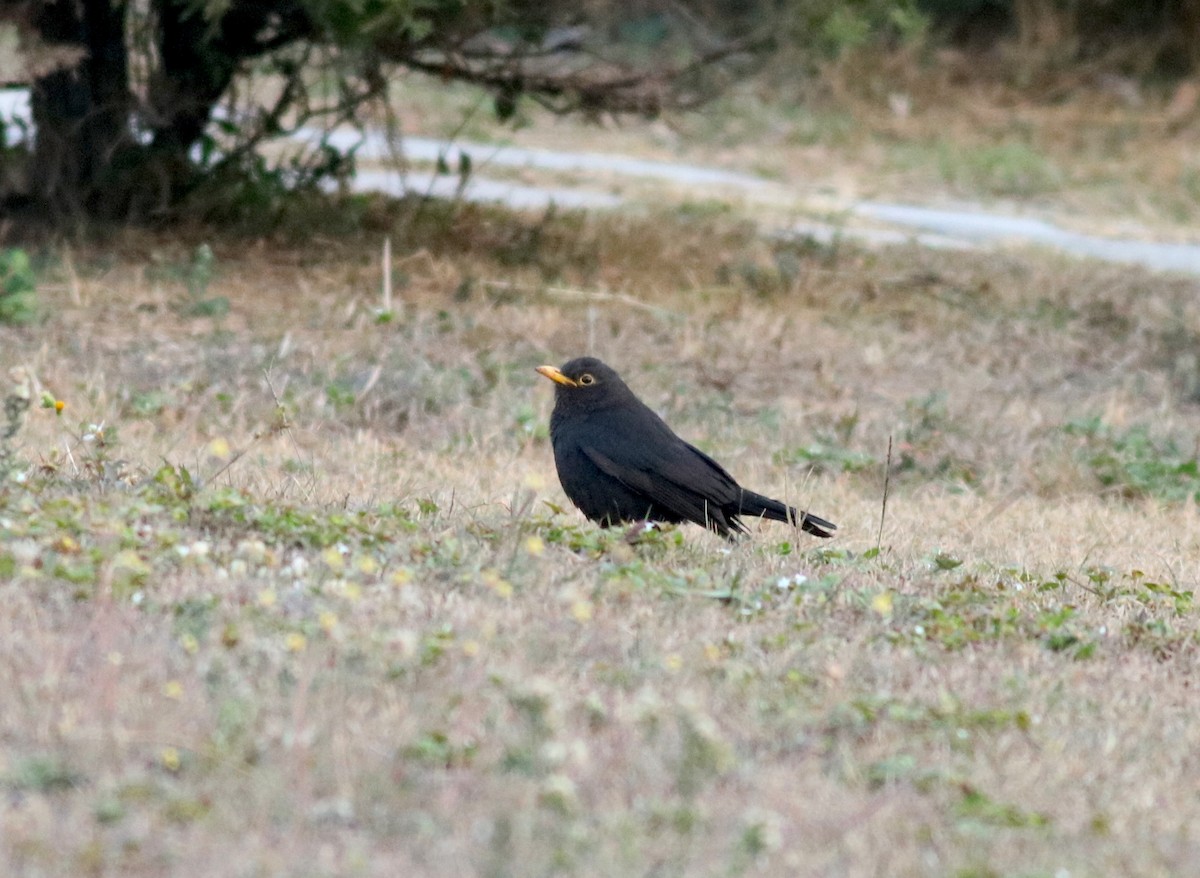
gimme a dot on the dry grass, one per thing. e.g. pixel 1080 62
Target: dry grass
pixel 369 647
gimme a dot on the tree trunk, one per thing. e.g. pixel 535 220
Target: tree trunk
pixel 194 71
pixel 89 162
pixel 81 112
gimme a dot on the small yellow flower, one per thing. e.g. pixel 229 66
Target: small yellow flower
pixel 266 598
pixel 882 603
pixel 367 565
pixel 581 611
pixel 50 402
pixel 219 448
pixel 712 652
pixel 497 583
pixel 333 558
pixel 535 546
pixel 169 757
pixel 328 621
pixel 470 648
pixel 673 662
pixel 402 577
pixel 189 643
pixel 66 544
pixel 296 642
pixel 172 689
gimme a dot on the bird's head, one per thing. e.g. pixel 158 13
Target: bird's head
pixel 585 382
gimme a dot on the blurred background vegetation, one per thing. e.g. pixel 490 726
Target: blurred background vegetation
pixel 152 109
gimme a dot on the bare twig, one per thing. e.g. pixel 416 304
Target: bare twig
pixel 283 425
pixel 387 275
pixel 590 296
pixel 887 480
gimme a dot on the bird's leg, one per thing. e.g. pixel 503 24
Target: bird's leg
pixel 638 530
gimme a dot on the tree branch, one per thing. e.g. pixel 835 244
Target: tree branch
pixel 601 86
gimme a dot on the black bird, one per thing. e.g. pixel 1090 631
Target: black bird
pixel 619 461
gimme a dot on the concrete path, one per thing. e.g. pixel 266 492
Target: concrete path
pixel 871 222
pixel 877 223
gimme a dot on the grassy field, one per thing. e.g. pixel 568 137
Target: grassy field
pixel 289 586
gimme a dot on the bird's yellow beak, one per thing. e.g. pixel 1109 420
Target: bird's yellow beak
pixel 556 375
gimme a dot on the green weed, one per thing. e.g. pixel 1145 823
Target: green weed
pixel 18 288
pixel 16 403
pixel 826 459
pixel 925 447
pixel 1134 463
pixel 47 774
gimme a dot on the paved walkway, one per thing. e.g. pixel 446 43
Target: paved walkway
pixel 878 223
pixel 871 222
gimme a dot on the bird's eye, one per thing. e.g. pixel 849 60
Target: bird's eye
pixel 586 378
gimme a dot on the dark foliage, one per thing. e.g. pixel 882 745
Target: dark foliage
pixel 126 96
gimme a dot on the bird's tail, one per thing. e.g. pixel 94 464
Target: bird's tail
pixel 764 507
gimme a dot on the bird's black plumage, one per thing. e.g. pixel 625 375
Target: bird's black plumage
pixel 619 461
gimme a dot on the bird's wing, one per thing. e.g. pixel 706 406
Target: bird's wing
pixel 686 481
